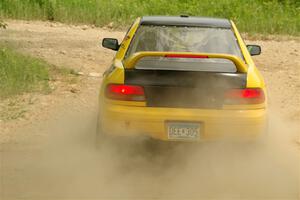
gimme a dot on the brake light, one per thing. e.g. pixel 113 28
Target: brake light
pixel 184 56
pixel 125 92
pixel 245 96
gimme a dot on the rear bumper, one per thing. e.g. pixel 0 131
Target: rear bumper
pixel 148 121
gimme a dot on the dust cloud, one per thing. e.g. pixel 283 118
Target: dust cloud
pixel 69 166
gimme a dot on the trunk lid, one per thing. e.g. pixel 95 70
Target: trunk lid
pixel 184 89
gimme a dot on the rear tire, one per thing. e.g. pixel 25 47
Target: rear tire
pixel 100 137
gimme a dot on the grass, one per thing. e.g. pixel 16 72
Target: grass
pixel 251 16
pixel 2 25
pixel 21 73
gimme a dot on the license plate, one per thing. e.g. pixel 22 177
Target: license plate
pixel 183 130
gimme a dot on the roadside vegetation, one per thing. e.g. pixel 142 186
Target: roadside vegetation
pixel 255 16
pixel 3 25
pixel 21 73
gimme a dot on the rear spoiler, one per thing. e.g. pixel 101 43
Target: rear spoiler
pixel 131 61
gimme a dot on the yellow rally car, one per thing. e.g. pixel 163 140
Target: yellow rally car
pixel 182 79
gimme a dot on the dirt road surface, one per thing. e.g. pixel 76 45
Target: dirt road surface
pixel 49 154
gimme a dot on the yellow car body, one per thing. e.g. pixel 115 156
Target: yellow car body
pixel 126 118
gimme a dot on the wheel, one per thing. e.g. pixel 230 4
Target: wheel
pixel 100 138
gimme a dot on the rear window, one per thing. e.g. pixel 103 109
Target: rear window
pixel 185 39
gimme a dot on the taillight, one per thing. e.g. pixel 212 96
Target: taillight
pixel 125 92
pixel 245 96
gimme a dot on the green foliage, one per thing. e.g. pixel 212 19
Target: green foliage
pixel 20 73
pixel 2 25
pixel 252 16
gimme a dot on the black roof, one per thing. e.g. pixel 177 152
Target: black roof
pixel 186 21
